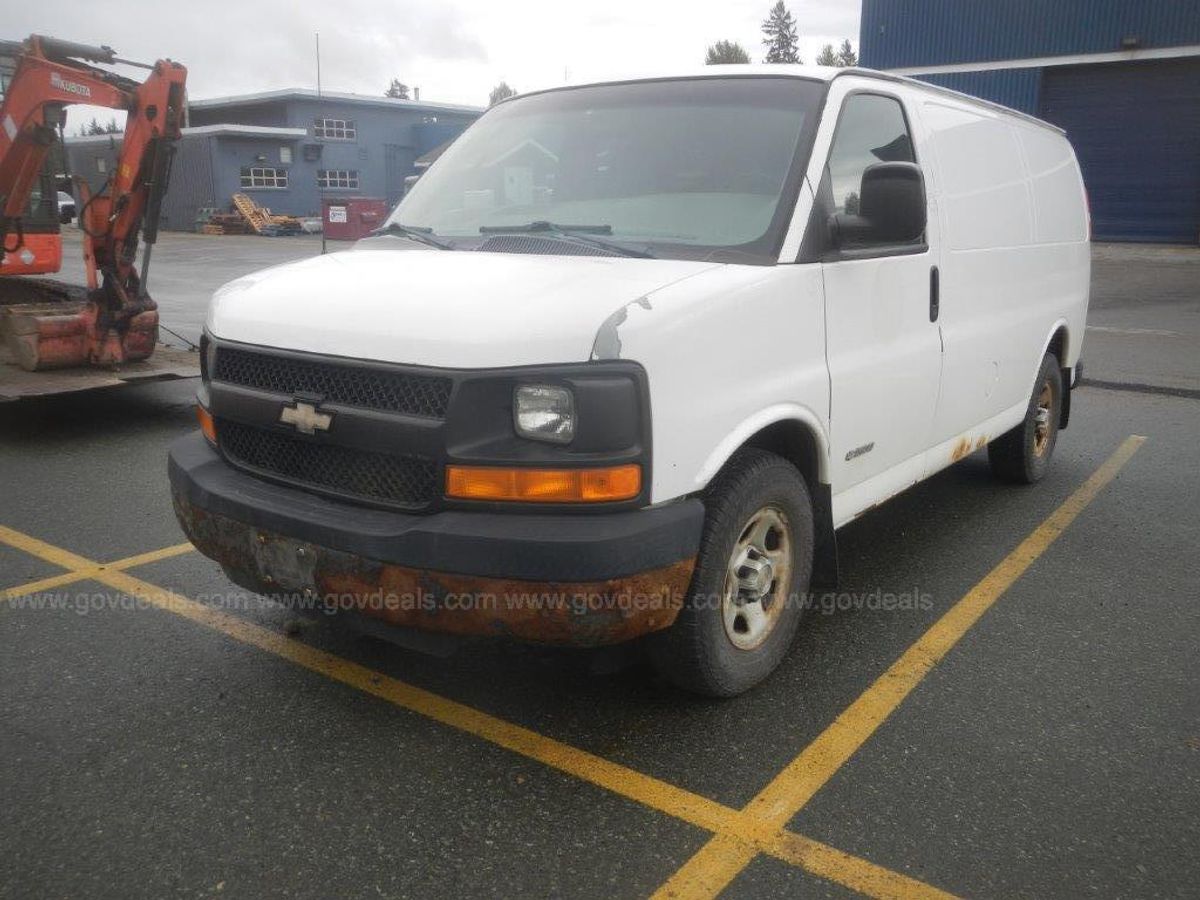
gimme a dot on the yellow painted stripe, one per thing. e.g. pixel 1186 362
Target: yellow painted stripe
pixel 735 826
pixel 51 554
pixel 718 862
pixel 650 791
pixel 82 574
pixel 143 559
pixel 851 871
pixel 48 584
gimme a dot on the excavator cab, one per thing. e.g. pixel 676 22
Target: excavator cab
pixel 41 251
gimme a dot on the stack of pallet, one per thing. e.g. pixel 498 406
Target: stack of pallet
pixel 217 222
pixel 260 219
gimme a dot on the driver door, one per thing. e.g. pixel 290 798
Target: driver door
pixel 882 346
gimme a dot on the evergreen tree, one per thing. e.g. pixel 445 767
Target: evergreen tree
pixel 846 55
pixel 96 127
pixel 724 53
pixel 827 57
pixel 779 35
pixel 502 91
pixel 397 90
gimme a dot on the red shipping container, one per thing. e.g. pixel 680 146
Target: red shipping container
pixel 351 218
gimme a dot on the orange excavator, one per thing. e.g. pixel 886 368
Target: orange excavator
pixel 56 337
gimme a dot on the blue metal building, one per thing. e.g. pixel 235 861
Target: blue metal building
pixel 1122 77
pixel 288 149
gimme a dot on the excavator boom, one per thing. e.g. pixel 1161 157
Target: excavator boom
pixel 118 321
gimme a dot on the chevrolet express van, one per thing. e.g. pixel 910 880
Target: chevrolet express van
pixel 629 354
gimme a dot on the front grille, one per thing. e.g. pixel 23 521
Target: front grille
pixel 407 481
pixel 352 385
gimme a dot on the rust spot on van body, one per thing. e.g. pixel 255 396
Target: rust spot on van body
pixel 961 448
pixel 964 447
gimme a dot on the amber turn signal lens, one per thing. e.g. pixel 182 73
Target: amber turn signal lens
pixel 206 423
pixel 544 485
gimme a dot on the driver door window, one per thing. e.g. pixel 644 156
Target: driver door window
pixel 871 129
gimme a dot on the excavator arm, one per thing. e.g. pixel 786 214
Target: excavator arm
pixel 119 321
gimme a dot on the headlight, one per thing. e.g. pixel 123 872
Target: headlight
pixel 544 412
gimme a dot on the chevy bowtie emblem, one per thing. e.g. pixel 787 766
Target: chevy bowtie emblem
pixel 305 418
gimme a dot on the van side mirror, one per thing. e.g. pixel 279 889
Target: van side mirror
pixel 891 207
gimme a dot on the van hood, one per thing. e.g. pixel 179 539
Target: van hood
pixel 407 304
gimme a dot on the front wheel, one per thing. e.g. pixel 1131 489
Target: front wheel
pixel 1022 455
pixel 751 575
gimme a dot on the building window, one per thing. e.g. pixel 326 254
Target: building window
pixel 335 129
pixel 264 177
pixel 285 155
pixel 342 179
pixel 101 165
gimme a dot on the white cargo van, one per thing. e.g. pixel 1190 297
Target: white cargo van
pixel 627 356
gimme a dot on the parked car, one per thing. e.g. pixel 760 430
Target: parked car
pixel 629 354
pixel 66 208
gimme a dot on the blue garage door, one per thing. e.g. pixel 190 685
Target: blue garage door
pixel 1136 130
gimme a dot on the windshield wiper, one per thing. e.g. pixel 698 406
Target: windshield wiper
pixel 413 233
pixel 577 234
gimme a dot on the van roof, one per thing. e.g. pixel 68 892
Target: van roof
pixel 817 73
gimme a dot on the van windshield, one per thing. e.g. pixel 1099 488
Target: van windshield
pixel 698 168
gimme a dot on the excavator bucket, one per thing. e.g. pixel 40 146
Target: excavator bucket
pixel 46 344
pixel 41 336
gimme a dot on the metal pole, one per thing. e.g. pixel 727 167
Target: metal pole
pixel 317 34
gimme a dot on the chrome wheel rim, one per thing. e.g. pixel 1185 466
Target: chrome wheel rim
pixel 758 578
pixel 1041 421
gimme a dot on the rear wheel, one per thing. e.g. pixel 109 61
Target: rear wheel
pixel 1022 455
pixel 746 597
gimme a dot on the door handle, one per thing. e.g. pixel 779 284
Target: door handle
pixel 935 298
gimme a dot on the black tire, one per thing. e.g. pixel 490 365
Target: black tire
pixel 1022 455
pixel 698 653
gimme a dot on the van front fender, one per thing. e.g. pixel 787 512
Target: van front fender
pixel 752 425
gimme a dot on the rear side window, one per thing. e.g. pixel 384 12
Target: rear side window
pixel 871 129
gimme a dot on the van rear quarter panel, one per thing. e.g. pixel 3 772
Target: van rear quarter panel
pixel 1015 261
pixel 727 354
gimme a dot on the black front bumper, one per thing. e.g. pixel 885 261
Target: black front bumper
pixel 565 578
pixel 528 546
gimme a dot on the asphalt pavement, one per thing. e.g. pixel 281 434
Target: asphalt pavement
pixel 1030 727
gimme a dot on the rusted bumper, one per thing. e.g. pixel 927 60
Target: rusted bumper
pixel 558 579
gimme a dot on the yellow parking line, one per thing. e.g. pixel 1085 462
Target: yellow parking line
pixel 51 554
pixel 77 574
pixel 720 860
pixel 621 780
pixel 850 871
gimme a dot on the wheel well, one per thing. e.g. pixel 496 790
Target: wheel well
pixel 1058 345
pixel 796 443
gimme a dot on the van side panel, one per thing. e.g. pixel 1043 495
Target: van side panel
pixel 1015 262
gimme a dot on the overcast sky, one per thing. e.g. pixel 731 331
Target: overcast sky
pixel 455 50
